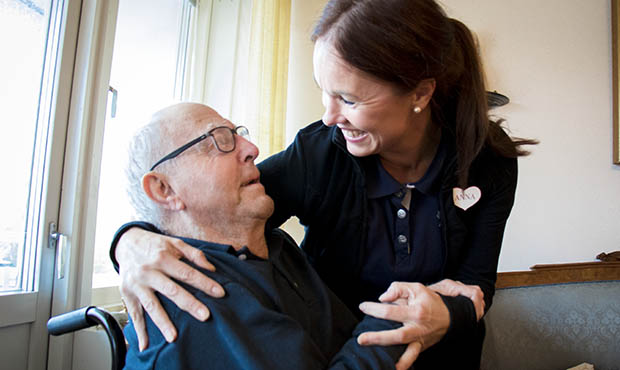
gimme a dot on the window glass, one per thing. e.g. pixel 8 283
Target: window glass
pixel 23 36
pixel 148 47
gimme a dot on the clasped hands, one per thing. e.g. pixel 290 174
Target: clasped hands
pixel 424 316
pixel 144 270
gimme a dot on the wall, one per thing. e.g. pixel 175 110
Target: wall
pixel 553 59
pixel 304 97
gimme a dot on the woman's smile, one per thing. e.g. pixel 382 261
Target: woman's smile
pixel 353 136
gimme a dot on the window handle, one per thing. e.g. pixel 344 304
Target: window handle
pixel 59 241
pixel 114 100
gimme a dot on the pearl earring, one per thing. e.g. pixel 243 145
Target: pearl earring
pixel 417 109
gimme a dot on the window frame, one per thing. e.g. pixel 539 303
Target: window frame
pixel 109 297
pixel 33 307
pixel 86 89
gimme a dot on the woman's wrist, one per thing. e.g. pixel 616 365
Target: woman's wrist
pixel 121 231
pixel 462 316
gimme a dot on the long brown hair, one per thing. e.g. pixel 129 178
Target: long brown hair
pixel 406 41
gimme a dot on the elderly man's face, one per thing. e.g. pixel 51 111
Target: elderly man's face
pixel 217 187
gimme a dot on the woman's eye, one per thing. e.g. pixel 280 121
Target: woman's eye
pixel 347 102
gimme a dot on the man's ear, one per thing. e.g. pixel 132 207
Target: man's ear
pixel 423 93
pixel 158 189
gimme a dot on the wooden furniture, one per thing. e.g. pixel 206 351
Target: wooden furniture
pixel 559 274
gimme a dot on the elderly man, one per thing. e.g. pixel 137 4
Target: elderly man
pixel 277 313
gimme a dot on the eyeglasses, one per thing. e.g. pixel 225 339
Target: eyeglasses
pixel 223 137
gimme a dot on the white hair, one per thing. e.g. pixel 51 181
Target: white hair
pixel 144 150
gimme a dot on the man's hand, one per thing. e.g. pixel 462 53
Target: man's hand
pixel 148 263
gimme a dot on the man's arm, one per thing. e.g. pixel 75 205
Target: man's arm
pixel 354 356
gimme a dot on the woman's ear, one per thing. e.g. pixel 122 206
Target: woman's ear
pixel 423 93
pixel 159 190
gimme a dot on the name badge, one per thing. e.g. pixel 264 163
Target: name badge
pixel 466 198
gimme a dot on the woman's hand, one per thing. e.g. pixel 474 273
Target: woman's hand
pixel 453 288
pixel 148 262
pixel 425 319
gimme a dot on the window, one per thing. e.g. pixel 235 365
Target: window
pixel 147 65
pixel 28 32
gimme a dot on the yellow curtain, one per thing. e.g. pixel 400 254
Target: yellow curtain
pixel 268 73
pixel 258 70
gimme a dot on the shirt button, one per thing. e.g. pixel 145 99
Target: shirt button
pixel 402 239
pixel 243 257
pixel 399 194
pixel 401 213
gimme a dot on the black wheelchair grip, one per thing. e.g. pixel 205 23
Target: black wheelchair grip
pixel 90 316
pixel 70 322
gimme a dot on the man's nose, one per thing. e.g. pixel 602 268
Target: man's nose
pixel 247 150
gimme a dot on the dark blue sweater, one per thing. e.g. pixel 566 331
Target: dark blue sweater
pixel 277 314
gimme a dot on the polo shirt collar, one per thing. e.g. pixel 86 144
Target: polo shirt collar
pixel 273 242
pixel 380 182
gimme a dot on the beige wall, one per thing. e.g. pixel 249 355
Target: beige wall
pixel 304 97
pixel 553 59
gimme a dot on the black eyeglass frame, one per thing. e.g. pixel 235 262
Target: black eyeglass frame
pixel 234 131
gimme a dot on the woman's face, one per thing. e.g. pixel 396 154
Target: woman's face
pixel 373 116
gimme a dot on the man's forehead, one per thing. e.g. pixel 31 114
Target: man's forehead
pixel 209 124
pixel 186 121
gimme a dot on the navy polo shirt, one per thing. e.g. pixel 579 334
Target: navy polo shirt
pixel 404 235
pixel 277 314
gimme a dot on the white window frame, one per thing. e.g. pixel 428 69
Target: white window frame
pixel 88 90
pixel 33 307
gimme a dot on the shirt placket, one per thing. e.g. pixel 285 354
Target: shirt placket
pixel 402 242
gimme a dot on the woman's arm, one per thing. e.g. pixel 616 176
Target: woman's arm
pixel 479 253
pixel 284 176
pixel 148 263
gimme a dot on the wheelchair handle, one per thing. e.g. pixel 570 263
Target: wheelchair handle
pixel 90 316
pixel 70 322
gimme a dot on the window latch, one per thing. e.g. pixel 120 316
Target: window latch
pixel 114 100
pixel 59 242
